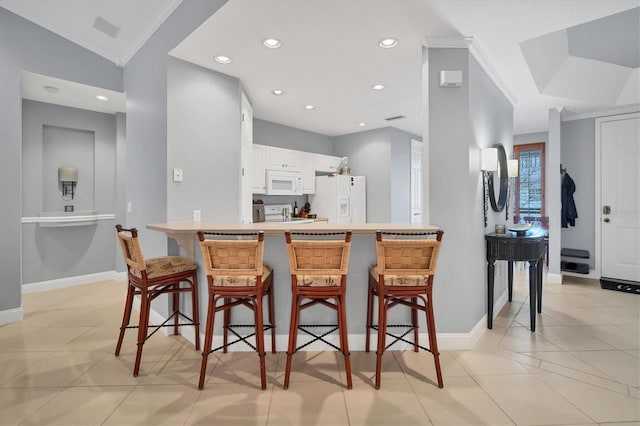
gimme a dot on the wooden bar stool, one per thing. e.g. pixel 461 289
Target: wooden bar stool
pixel 403 276
pixel 149 279
pixel 237 277
pixel 318 275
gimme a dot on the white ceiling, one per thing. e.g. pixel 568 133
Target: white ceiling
pixel 330 55
pixel 74 20
pixel 41 88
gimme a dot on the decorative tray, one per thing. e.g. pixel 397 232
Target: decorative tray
pixel 519 228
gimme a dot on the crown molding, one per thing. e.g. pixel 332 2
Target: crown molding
pixel 148 32
pixel 473 46
pixel 569 116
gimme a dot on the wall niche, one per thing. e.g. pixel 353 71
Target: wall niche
pixel 68 147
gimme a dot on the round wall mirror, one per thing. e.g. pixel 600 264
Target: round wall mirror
pixel 499 199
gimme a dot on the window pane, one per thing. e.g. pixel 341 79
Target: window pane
pixel 530 195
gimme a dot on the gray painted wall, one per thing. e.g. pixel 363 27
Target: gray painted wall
pixel 530 138
pixel 274 134
pixel 26 46
pixel 384 157
pixel 203 122
pixel 53 253
pixel 370 155
pixel 461 121
pixel 577 153
pixel 552 192
pixel 491 116
pixel 145 81
pixel 121 182
pixel 401 175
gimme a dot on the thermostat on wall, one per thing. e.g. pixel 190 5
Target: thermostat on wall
pixel 450 78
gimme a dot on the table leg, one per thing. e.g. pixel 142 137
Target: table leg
pixel 533 285
pixel 540 269
pixel 490 271
pixel 510 279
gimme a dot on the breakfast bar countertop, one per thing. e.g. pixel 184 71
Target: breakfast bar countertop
pixel 362 256
pixel 277 228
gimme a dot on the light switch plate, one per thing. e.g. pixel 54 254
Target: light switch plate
pixel 196 215
pixel 177 175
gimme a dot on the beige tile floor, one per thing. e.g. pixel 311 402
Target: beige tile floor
pixel 581 367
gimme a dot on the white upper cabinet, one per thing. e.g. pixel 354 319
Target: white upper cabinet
pixel 257 171
pixel 308 171
pixel 307 164
pixel 282 159
pixel 327 163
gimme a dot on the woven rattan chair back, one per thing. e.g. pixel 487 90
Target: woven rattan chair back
pixel 237 276
pixel 131 248
pixel 318 264
pixel 318 258
pixel 410 257
pixel 150 278
pixel 232 257
pixel 403 276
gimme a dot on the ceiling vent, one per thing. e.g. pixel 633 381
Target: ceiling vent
pixel 106 27
pixel 397 117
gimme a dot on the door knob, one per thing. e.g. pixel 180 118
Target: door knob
pixel 606 219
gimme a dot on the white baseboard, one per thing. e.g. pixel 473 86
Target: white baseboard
pixel 554 278
pixel 592 275
pixel 71 281
pixel 446 341
pixel 11 315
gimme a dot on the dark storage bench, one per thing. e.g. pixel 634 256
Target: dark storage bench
pixel 573 266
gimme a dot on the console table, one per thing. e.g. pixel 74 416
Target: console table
pixel 512 247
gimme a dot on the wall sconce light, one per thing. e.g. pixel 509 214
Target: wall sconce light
pixel 512 167
pixel 493 163
pixel 67 178
pixel 488 165
pixel 512 172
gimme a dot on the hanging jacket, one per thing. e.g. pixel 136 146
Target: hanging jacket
pixel 569 212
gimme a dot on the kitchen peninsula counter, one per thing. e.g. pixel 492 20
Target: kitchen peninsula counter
pixel 362 256
pixel 184 232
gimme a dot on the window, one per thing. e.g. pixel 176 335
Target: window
pixel 530 182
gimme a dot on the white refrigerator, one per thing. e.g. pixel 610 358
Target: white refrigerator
pixel 340 198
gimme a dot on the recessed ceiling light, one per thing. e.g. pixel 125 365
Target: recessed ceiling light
pixel 223 59
pixel 102 98
pixel 272 43
pixel 51 89
pixel 362 124
pixel 388 43
pixel 420 112
pixel 377 87
pixel 278 92
pixel 309 107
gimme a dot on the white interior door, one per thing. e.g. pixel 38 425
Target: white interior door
pixel 620 197
pixel 416 182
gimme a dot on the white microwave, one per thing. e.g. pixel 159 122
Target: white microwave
pixel 283 183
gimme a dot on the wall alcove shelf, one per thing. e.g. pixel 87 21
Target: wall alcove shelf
pixel 64 219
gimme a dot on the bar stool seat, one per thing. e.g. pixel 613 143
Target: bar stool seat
pixel 150 278
pixel 236 276
pixel 318 277
pixel 403 276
